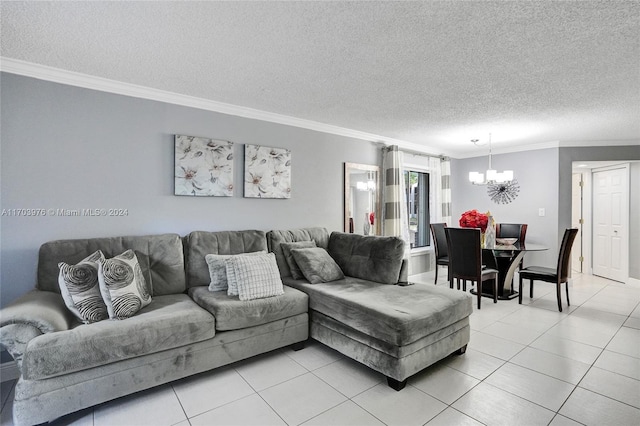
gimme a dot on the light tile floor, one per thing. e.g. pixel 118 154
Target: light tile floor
pixel 526 365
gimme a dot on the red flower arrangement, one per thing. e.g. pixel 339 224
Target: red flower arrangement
pixel 372 217
pixel 474 219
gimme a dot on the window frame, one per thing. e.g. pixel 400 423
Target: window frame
pixel 408 168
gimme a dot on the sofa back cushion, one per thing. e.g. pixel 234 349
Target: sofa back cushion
pixel 276 238
pixel 198 244
pixel 160 256
pixel 370 258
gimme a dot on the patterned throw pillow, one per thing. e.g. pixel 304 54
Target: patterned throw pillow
pixel 257 276
pixel 218 270
pixel 296 273
pixel 317 265
pixel 80 289
pixel 122 285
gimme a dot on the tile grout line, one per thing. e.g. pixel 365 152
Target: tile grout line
pixel 260 396
pixel 179 402
pixel 556 413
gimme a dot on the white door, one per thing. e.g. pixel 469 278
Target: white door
pixel 611 223
pixel 576 221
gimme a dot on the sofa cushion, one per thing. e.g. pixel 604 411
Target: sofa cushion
pixel 276 238
pixel 234 314
pixel 198 244
pixel 371 258
pixel 122 285
pixel 394 314
pixel 80 289
pixel 255 277
pixel 168 322
pixel 316 265
pixel 218 269
pixel 296 273
pixel 160 256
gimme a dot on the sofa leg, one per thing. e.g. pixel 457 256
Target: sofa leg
pixel 298 346
pixel 461 351
pixel 396 384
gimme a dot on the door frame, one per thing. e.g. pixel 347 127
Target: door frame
pixel 587 226
pixel 579 244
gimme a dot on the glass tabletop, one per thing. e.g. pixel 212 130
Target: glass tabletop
pixel 519 247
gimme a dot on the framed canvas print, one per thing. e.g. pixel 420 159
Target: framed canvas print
pixel 203 167
pixel 267 172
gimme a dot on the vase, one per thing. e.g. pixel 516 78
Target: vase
pixel 367 225
pixel 490 234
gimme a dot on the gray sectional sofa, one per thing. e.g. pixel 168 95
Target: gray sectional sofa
pixel 67 366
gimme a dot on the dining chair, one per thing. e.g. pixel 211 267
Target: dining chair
pixel 558 275
pixel 465 261
pixel 440 246
pixel 512 230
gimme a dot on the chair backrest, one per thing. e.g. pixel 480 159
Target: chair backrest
pixel 465 253
pixel 512 230
pixel 439 239
pixel 564 254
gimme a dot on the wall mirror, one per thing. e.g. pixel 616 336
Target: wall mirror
pixel 361 199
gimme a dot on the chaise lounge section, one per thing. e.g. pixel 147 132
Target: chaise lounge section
pixel 397 330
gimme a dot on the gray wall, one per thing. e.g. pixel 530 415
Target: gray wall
pixel 604 153
pixel 73 148
pixel 537 174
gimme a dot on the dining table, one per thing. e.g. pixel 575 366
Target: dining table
pixel 505 258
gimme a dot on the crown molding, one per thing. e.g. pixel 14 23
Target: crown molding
pixel 508 149
pixel 86 81
pixel 547 145
pixel 614 142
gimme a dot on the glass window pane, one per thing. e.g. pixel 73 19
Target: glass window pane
pixel 417 187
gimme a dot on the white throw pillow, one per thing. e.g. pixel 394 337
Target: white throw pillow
pixel 80 289
pixel 218 270
pixel 257 276
pixel 122 285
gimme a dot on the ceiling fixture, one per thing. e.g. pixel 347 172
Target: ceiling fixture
pixel 492 175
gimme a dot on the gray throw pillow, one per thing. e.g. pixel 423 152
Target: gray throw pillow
pixel 257 276
pixel 80 289
pixel 296 273
pixel 317 265
pixel 122 285
pixel 218 271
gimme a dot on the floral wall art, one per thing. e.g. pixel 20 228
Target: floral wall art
pixel 267 172
pixel 203 167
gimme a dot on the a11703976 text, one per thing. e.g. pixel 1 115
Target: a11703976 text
pixel 62 212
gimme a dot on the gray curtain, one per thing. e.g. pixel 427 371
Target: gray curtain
pixel 394 202
pixel 445 199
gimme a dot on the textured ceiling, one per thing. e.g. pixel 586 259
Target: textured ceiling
pixel 432 73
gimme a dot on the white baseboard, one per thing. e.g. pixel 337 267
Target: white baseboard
pixel 9 371
pixel 634 282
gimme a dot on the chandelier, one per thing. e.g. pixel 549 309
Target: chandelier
pixel 369 185
pixel 492 175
